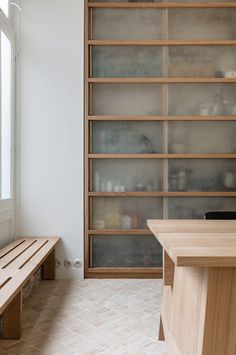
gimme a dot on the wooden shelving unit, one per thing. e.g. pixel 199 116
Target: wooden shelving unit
pixel 172 125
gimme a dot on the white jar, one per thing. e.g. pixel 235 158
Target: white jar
pixel 127 222
pixel 229 179
pixel 182 180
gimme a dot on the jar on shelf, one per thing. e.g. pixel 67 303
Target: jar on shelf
pixel 182 180
pixel 228 179
pixel 97 181
pixel 127 222
pixel 174 182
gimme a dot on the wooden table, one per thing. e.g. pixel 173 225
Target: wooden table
pixel 198 314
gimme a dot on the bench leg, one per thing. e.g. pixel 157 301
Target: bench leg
pixel 161 331
pixel 11 319
pixel 48 271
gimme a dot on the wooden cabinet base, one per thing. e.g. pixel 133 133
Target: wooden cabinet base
pixel 199 311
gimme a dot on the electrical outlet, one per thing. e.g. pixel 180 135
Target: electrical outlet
pixel 77 263
pixel 68 263
pixel 57 263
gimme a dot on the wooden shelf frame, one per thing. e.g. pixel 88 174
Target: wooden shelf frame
pixel 96 272
pixel 161 80
pixel 160 42
pixel 165 43
pixel 120 231
pixel 163 156
pixel 160 118
pixel 164 194
pixel 162 5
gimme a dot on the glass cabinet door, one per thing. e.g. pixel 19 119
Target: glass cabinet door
pixel 202 175
pixel 202 137
pixel 125 212
pixel 125 251
pixel 203 24
pixel 125 61
pixel 127 99
pixel 127 137
pixel 201 61
pixel 120 175
pixel 128 25
pixel 196 207
pixel 202 99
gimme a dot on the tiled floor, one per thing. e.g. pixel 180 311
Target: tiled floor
pixel 90 317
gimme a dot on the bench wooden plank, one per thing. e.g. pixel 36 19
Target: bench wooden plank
pixel 22 268
pixel 44 252
pixel 11 246
pixel 16 252
pixel 33 248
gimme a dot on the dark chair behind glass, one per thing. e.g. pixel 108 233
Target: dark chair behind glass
pixel 220 215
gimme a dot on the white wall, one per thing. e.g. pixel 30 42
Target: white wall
pixel 51 125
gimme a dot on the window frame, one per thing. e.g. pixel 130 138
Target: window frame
pixel 7 206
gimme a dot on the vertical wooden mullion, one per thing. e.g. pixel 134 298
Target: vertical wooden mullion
pixel 91 251
pixel 90 132
pixel 165 113
pixel 86 137
pixel 0 116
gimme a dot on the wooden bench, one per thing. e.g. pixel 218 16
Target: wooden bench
pixel 19 261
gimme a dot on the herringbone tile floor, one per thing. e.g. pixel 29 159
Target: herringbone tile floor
pixel 90 317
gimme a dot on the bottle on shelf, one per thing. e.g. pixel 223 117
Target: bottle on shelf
pixel 97 181
pixel 182 180
pixel 127 222
pixel 228 179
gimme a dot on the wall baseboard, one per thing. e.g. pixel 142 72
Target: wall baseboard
pixel 73 273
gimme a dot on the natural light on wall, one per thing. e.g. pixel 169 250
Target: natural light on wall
pixel 4 5
pixel 6 114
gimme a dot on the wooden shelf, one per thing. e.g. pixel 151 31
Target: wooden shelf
pixel 161 5
pixel 164 194
pixel 159 80
pixel 161 42
pixel 161 118
pixel 162 156
pixel 98 272
pixel 119 231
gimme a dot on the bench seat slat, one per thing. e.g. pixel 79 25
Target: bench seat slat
pixel 11 246
pixel 43 253
pixel 18 250
pixel 17 263
pixel 17 277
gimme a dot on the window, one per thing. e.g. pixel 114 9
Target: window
pixel 4 5
pixel 6 106
pixel 6 114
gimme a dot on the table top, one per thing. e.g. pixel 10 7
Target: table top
pixel 202 243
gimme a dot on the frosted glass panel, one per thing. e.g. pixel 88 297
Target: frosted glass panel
pixel 202 99
pixel 127 24
pixel 202 61
pixel 134 61
pixel 196 207
pixel 202 175
pixel 6 113
pixel 127 175
pixel 202 137
pixel 125 212
pixel 127 99
pixel 127 137
pixel 126 251
pixel 202 24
